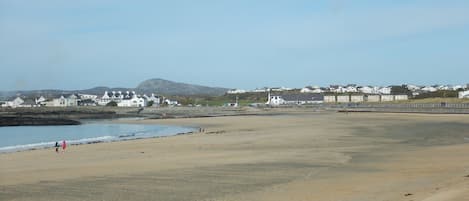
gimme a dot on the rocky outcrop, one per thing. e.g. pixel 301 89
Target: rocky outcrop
pixel 33 121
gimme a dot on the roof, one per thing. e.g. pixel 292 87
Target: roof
pixel 29 102
pixel 302 97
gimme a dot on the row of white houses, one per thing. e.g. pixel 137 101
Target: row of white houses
pixel 353 88
pixel 316 98
pixel 127 99
pixel 463 94
pixel 364 98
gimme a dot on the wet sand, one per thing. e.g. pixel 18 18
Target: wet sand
pixel 293 156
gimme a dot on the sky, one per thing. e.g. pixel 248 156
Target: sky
pixel 246 44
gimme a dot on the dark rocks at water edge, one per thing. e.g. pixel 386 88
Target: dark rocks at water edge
pixel 33 121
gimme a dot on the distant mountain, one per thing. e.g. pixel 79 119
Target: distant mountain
pixel 167 87
pixel 157 86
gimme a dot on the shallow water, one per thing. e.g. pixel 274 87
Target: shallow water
pixel 30 137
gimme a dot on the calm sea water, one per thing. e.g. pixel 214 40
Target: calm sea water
pixel 18 138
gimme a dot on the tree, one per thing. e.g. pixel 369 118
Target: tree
pixel 111 104
pixel 150 103
pixel 400 90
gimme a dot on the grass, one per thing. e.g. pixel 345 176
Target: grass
pixel 436 100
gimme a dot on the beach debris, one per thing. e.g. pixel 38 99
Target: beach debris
pixel 142 152
pixel 467 176
pixel 216 132
pixel 408 194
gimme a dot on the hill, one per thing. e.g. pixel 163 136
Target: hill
pixel 167 87
pixel 158 86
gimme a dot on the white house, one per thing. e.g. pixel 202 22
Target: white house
pixel 40 100
pixel 463 94
pixel 281 89
pixel 261 90
pixel 351 89
pixel 457 87
pixel 444 87
pixel 295 99
pixel 429 89
pixel 133 102
pixel 171 102
pixel 14 103
pixel 413 87
pixel 385 90
pixel 236 91
pixel 155 99
pixel 58 102
pixel 367 90
pixel 87 97
pixel 70 101
pixel 275 100
pixel 312 89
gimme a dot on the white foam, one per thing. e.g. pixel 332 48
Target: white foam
pixel 51 144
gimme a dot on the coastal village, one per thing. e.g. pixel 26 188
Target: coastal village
pixel 276 96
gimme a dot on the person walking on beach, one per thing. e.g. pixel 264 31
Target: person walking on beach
pixel 64 146
pixel 57 147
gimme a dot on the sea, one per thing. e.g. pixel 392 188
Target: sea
pixel 20 138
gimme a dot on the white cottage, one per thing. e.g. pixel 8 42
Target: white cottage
pixel 463 94
pixel 14 103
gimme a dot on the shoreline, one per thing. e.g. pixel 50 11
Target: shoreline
pixel 93 140
pixel 293 156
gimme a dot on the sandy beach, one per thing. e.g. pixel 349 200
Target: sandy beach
pixel 291 156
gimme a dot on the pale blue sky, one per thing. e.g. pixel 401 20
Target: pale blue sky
pixel 235 44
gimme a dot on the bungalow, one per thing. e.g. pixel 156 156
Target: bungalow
pixel 429 89
pixel 87 97
pixel 87 102
pixel 236 91
pixel 295 99
pixel 312 89
pixel 70 101
pixel 40 100
pixel 156 100
pixel 29 103
pixel 351 89
pixel 14 103
pixel 463 94
pixel 367 90
pixel 385 90
pixel 413 87
pixel 134 101
pixel 171 102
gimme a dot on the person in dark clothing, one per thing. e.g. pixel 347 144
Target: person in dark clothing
pixel 57 147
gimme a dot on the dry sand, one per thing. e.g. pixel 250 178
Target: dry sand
pixel 294 156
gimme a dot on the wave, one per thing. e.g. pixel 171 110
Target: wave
pixel 161 131
pixel 52 144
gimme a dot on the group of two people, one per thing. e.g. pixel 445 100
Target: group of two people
pixel 57 146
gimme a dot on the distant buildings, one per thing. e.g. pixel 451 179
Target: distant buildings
pixel 294 99
pixel 361 98
pixel 20 102
pixel 463 94
pixel 128 99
